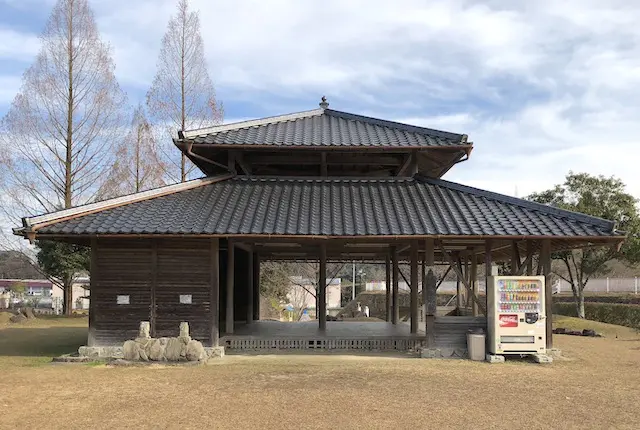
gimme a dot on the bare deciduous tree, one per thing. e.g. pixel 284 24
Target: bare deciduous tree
pixel 182 95
pixel 137 165
pixel 57 137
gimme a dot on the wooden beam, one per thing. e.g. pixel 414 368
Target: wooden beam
pixel 246 168
pixel 322 286
pixel 430 308
pixel 414 287
pixel 473 277
pixel 231 161
pixel 324 171
pixel 228 329
pixel 405 165
pixel 395 306
pixel 387 268
pixel 545 257
pixel 94 277
pixel 154 286
pixel 256 286
pixel 214 298
pixel 529 261
pixel 429 252
pixel 456 269
pixel 459 295
pixel 515 258
pixel 527 264
pixel 488 266
pixel 250 286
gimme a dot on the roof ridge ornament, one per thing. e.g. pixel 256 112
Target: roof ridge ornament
pixel 323 103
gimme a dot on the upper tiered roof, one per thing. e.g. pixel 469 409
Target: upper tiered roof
pixel 352 145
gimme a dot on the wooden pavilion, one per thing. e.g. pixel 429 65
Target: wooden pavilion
pixel 319 185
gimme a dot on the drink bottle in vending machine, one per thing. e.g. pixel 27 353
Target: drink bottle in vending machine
pixel 516 314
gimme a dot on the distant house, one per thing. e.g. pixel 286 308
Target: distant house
pixel 301 293
pixel 48 295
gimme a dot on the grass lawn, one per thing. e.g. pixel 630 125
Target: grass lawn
pixel 596 386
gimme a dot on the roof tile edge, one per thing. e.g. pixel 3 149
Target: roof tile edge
pixel 576 216
pixel 31 223
pixel 190 134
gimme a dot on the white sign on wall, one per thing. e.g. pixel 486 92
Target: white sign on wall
pixel 185 299
pixel 122 300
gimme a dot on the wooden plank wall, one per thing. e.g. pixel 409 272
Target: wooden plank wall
pixel 183 269
pixel 123 269
pixel 153 273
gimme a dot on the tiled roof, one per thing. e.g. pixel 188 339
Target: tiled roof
pixel 324 128
pixel 334 207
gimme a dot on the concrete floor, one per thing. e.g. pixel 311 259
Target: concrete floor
pixel 335 330
pixel 352 329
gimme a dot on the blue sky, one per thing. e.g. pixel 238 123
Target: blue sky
pixel 541 87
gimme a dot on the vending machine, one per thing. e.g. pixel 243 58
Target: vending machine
pixel 516 315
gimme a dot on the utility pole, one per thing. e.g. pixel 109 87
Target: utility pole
pixel 353 281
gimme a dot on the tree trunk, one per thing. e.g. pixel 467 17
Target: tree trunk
pixel 67 301
pixel 580 304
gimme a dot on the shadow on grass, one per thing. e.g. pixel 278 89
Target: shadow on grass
pixel 41 342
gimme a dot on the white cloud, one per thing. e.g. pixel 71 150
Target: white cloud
pixel 540 87
pixel 17 45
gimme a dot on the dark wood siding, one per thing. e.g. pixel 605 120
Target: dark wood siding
pixel 150 273
pixel 183 269
pixel 123 269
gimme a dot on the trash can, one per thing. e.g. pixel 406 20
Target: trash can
pixel 476 340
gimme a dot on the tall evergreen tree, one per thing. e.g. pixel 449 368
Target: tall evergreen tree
pixel 182 95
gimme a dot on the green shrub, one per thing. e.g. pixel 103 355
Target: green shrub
pixel 611 313
pixel 629 299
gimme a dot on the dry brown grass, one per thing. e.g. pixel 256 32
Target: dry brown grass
pixel 596 387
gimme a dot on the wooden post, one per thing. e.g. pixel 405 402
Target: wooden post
pixel 459 295
pixel 93 292
pixel 414 286
pixel 214 299
pixel 473 277
pixel 228 329
pixel 515 258
pixel 250 287
pixel 488 246
pixel 387 267
pixel 256 286
pixel 430 285
pixel 530 246
pixel 322 284
pixel 154 287
pixel 545 260
pixel 395 305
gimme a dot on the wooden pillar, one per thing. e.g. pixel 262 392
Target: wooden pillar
pixel 214 298
pixel 414 286
pixel 459 294
pixel 429 286
pixel 473 277
pixel 387 267
pixel 154 287
pixel 93 292
pixel 250 288
pixel 488 246
pixel 322 287
pixel 515 258
pixel 545 260
pixel 228 328
pixel 256 286
pixel 395 305
pixel 530 251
